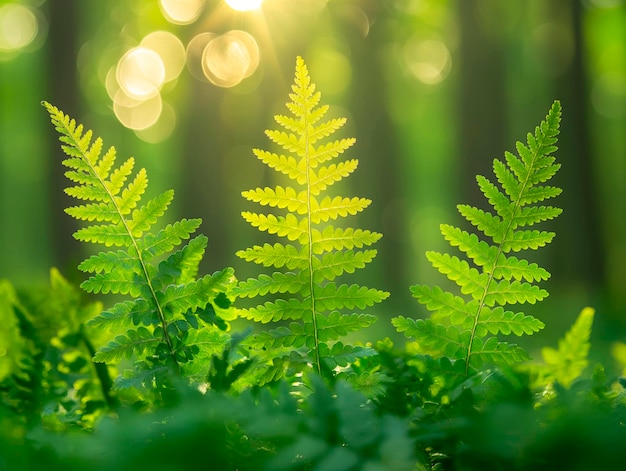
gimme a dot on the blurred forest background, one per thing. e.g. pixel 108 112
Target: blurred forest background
pixel 433 90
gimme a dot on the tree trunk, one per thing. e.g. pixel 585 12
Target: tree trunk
pixel 579 250
pixel 62 49
pixel 482 102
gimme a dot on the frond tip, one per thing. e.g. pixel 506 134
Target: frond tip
pixel 488 277
pixel 315 253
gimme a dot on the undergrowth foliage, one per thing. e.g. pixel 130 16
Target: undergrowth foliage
pixel 466 328
pixel 311 303
pixel 47 375
pixel 172 318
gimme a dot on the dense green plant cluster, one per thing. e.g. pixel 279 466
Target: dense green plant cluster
pixel 160 381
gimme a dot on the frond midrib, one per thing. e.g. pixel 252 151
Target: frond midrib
pixel 162 319
pixel 481 303
pixel 309 214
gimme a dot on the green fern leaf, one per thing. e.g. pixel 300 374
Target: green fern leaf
pixel 168 301
pixel 492 352
pixel 181 266
pixel 289 226
pixel 277 255
pixel 195 294
pixel 210 342
pixel 331 238
pixel 118 280
pixel 279 310
pixel 109 261
pixel 335 264
pixel 318 253
pixel 498 321
pixel 168 238
pixel 134 342
pixel 331 296
pixel 337 325
pixel 122 315
pixel 276 283
pixel 567 363
pixel 488 279
pixel 343 355
pixel 331 174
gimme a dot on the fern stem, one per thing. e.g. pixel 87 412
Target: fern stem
pixel 166 336
pixel 316 351
pixel 102 372
pixel 481 303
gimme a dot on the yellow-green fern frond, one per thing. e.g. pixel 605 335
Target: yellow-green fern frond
pixel 170 309
pixel 467 328
pixel 314 310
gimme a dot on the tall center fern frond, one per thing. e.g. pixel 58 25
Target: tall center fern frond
pixel 466 327
pixel 171 318
pixel 317 252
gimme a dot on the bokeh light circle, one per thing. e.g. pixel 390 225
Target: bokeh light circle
pixel 608 95
pixel 181 12
pixel 427 60
pixel 228 59
pixel 18 27
pixel 137 114
pixel 141 73
pixel 162 128
pixel 195 51
pixel 170 49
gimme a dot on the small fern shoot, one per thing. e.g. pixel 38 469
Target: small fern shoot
pixel 466 328
pixel 565 364
pixel 171 318
pixel 310 303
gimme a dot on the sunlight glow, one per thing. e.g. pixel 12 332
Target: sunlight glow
pixel 334 69
pixel 137 114
pixel 195 50
pixel 161 129
pixel 181 12
pixel 141 73
pixel 429 61
pixel 170 49
pixel 244 5
pixel 18 27
pixel 230 58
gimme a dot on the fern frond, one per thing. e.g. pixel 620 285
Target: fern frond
pixel 168 301
pixel 467 327
pixel 569 360
pixel 318 253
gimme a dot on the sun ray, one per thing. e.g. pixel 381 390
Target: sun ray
pixel 244 5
